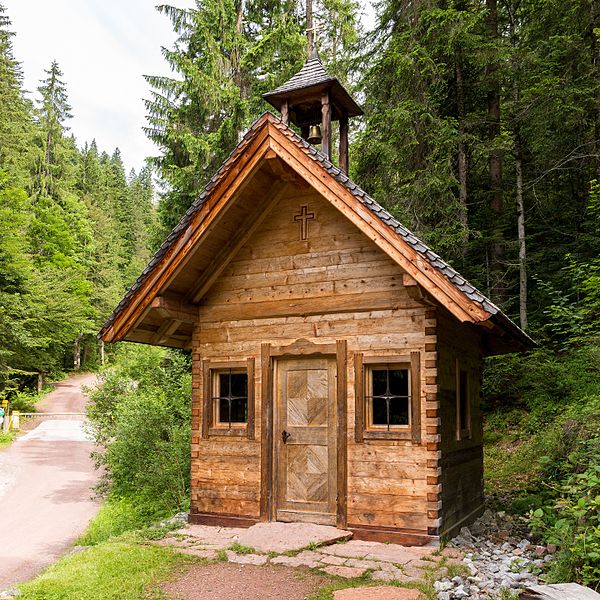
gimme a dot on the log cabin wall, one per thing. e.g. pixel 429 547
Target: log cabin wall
pixel 336 285
pixel 461 455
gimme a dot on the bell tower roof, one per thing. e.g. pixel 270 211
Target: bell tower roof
pixel 303 92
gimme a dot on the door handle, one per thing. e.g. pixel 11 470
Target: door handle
pixel 285 436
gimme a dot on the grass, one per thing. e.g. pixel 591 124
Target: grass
pixel 109 571
pixel 241 549
pixel 6 439
pixel 117 516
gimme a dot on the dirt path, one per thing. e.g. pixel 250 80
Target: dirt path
pixel 46 478
pixel 226 581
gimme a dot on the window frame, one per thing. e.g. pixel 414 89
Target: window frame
pixel 211 371
pixel 364 430
pixel 463 433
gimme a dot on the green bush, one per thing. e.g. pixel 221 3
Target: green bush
pixel 571 518
pixel 141 420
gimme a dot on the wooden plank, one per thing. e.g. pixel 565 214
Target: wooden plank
pixel 326 124
pixel 266 463
pixel 220 520
pixel 415 393
pixel 251 401
pixel 206 399
pixel 246 230
pixel 304 306
pixel 165 331
pixel 396 536
pixel 295 516
pixel 342 426
pixel 170 308
pixel 303 347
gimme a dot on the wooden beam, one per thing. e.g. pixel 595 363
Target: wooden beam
pixel 326 125
pixel 246 230
pixel 175 309
pixel 285 112
pixel 282 171
pixel 168 328
pixel 344 142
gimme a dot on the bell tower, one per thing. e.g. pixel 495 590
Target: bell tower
pixel 313 100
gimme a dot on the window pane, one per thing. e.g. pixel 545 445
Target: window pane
pixel 379 412
pixel 398 395
pixel 399 411
pixel 398 381
pixel 233 391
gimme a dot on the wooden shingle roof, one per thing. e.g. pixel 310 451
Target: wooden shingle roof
pixel 313 78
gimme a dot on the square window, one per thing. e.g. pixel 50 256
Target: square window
pixel 228 399
pixel 388 396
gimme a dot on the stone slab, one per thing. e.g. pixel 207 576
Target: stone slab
pixel 304 559
pixel 377 551
pixel 381 592
pixel 246 559
pixel 345 572
pixel 289 537
pixel 217 538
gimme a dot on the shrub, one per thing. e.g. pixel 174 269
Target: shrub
pixel 571 518
pixel 141 419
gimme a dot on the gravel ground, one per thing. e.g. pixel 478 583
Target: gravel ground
pixel 227 581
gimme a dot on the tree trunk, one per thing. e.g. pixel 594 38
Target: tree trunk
pixel 521 231
pixel 77 354
pixel 462 147
pixel 596 78
pixel 102 352
pixel 310 31
pixel 495 165
pixel 40 382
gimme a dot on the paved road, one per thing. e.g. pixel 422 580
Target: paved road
pixel 46 478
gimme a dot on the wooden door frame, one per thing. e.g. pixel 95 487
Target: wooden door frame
pixel 299 349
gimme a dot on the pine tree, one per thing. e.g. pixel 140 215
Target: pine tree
pixel 15 117
pixel 227 55
pixel 56 151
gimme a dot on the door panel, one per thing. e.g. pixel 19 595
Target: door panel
pixel 306 461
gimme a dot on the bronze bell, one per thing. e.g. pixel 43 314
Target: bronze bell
pixel 314 135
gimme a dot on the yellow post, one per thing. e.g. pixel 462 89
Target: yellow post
pixel 5 419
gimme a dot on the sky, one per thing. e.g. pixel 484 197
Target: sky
pixel 103 47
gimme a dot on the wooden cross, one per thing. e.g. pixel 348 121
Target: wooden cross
pixel 304 217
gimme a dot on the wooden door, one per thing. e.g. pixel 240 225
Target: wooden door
pixel 305 440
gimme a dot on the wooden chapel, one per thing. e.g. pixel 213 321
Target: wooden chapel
pixel 336 358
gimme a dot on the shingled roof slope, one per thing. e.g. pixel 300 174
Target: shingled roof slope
pixel 312 73
pixel 412 240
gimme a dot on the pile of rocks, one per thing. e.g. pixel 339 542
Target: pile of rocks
pixel 499 553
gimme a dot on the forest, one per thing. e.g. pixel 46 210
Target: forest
pixel 481 134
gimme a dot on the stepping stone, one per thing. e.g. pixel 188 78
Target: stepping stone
pixel 346 572
pixel 304 559
pixel 286 537
pixel 377 551
pixel 246 559
pixel 382 592
pixel 217 538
